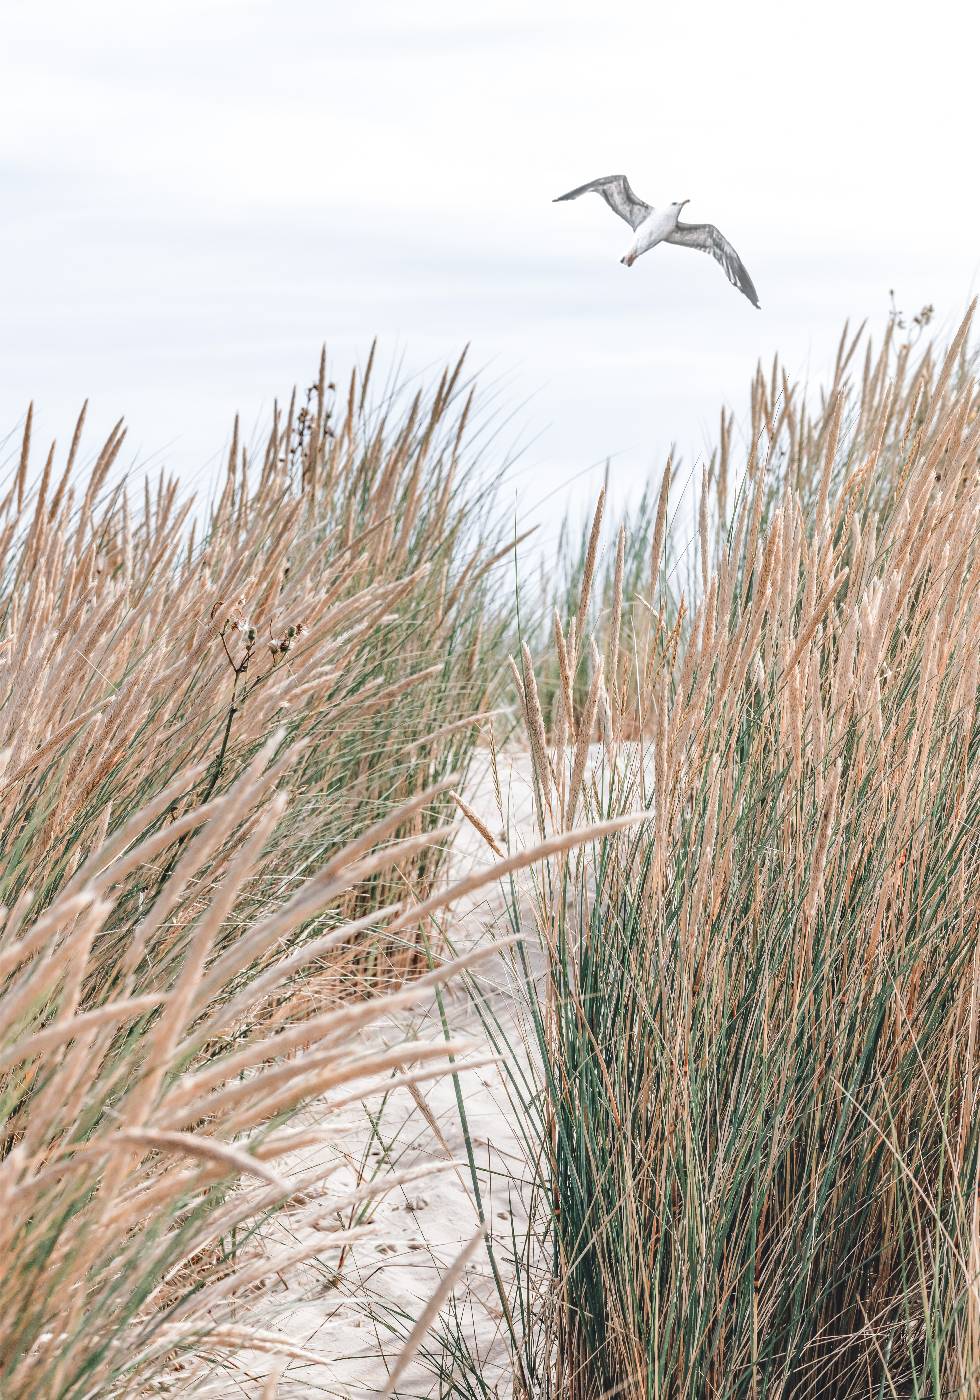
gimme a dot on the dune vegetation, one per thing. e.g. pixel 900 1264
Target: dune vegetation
pixel 229 738
pixel 744 1048
pixel 751 1117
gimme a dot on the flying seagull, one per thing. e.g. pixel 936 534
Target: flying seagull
pixel 655 226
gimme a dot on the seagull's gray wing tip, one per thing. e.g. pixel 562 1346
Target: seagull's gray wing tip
pixel 615 190
pixel 708 239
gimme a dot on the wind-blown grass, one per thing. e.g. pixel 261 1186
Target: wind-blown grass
pixel 753 1124
pixel 120 1223
pixel 227 754
pixel 748 1077
pixel 338 589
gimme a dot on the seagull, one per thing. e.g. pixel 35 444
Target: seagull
pixel 655 226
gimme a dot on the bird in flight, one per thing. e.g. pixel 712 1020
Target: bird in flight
pixel 653 226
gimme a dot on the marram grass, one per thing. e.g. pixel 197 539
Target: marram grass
pixel 337 587
pixel 752 1123
pixel 233 749
pixel 228 741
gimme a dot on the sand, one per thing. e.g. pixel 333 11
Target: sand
pixel 359 1319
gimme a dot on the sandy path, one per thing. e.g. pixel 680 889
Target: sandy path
pixel 420 1226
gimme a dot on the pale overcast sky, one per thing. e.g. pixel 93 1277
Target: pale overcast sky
pixel 196 195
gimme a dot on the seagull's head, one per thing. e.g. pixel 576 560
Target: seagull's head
pixel 679 204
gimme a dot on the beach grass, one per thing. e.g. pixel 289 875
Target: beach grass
pixel 749 1093
pixel 741 1045
pixel 229 734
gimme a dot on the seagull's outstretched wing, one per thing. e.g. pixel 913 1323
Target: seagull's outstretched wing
pixel 615 190
pixel 707 238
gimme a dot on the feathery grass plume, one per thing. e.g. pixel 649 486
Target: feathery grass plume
pixel 588 568
pixel 752 1132
pixel 615 623
pixel 564 724
pixel 477 823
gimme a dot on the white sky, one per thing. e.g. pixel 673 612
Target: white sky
pixel 197 194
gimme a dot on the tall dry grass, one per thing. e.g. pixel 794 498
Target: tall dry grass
pixel 337 587
pixel 753 1127
pixel 133 1175
pixel 228 742
pixel 233 744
